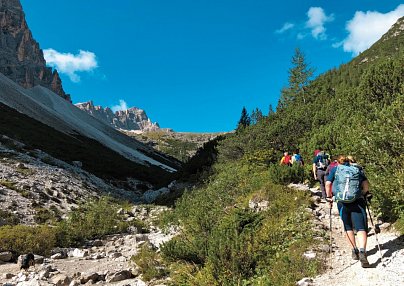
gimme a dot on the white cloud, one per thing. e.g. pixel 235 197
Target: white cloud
pixel 70 64
pixel 121 106
pixel 316 21
pixel 285 27
pixel 365 28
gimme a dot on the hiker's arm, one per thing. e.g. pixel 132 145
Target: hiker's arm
pixel 365 186
pixel 314 171
pixel 328 189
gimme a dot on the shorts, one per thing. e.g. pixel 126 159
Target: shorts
pixel 353 215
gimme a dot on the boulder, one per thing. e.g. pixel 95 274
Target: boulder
pixel 85 277
pixel 6 256
pixel 119 276
pixel 305 282
pixel 60 280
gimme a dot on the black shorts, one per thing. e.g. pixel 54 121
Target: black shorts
pixel 353 215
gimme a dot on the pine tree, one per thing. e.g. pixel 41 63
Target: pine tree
pixel 256 116
pixel 300 75
pixel 245 119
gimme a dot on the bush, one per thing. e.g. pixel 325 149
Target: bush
pixel 93 220
pixel 280 174
pixel 23 239
pixel 149 262
pixel 8 218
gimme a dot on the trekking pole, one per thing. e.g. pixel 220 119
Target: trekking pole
pixel 330 238
pixel 377 230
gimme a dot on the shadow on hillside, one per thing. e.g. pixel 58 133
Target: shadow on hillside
pixel 392 246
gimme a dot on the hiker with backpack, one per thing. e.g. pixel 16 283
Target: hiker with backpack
pixel 286 159
pixel 297 158
pixel 351 189
pixel 320 164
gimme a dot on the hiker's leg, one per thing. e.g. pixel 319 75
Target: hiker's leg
pixel 362 239
pixel 321 178
pixel 359 220
pixel 344 213
pixel 351 238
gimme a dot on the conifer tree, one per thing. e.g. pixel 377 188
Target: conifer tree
pixel 245 119
pixel 256 116
pixel 300 75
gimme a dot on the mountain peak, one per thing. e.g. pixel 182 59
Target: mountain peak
pixel 130 119
pixel 21 58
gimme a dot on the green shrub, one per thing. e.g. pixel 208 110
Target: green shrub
pixel 280 174
pixel 177 249
pixel 23 239
pixel 8 218
pixel 94 219
pixel 149 263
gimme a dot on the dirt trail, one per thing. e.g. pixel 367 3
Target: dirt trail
pixel 346 271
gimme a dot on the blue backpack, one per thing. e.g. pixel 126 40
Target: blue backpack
pixel 346 185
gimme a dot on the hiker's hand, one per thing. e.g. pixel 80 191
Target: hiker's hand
pixel 330 201
pixel 368 197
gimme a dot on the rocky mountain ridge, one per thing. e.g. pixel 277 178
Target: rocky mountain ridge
pixel 21 58
pixel 132 119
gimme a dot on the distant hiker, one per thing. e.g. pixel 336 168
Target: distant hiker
pixel 350 189
pixel 333 164
pixel 27 261
pixel 297 158
pixel 286 159
pixel 320 164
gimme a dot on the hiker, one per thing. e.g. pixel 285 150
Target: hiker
pixel 297 158
pixel 333 164
pixel 320 164
pixel 286 159
pixel 351 189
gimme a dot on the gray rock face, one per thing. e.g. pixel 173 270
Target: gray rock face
pixel 131 119
pixel 21 58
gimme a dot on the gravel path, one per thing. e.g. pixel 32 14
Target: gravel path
pixel 345 271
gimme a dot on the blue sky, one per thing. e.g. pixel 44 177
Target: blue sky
pixel 193 64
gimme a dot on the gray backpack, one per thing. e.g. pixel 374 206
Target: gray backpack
pixel 346 185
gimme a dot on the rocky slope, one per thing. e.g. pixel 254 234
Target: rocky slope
pixel 131 119
pixel 21 58
pixel 101 262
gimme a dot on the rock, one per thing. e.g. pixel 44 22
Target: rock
pixel 305 282
pixel 115 255
pixel 384 226
pixel 119 276
pixel 97 243
pixel 8 275
pixel 309 255
pixel 6 256
pixel 20 165
pixel 130 119
pixel 59 256
pixel 85 277
pixel 60 280
pixel 74 283
pixel 79 253
pixel 21 58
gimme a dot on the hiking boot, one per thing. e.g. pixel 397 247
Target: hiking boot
pixel 363 259
pixel 355 254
